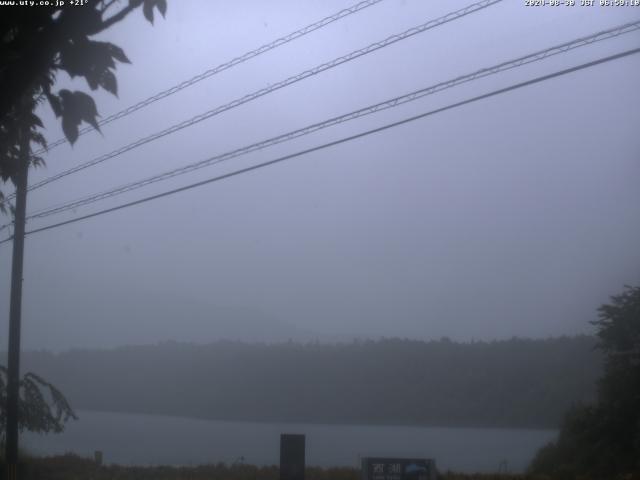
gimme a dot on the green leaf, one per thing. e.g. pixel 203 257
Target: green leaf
pixel 117 53
pixel 91 19
pixel 56 106
pixel 70 129
pixel 86 108
pixel 68 103
pixel 101 54
pixel 71 57
pixel 109 83
pixel 38 138
pixel 93 79
pixel 90 59
pixel 147 10
pixel 35 120
pixel 77 107
pixel 162 7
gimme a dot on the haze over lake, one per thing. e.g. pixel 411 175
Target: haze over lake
pixel 161 440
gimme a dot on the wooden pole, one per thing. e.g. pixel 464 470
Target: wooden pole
pixel 13 380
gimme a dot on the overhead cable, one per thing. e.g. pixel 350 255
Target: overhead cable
pixel 224 66
pixel 276 86
pixel 393 102
pixel 493 93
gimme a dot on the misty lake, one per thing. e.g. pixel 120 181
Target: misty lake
pixel 154 439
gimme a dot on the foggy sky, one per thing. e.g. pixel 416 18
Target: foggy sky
pixel 513 216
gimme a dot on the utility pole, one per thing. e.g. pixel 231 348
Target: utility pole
pixel 13 380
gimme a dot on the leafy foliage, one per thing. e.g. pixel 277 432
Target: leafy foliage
pixel 38 43
pixel 604 439
pixel 25 123
pixel 42 407
pixel 77 106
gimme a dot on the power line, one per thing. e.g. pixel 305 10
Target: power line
pixel 342 140
pixel 391 103
pixel 224 66
pixel 283 83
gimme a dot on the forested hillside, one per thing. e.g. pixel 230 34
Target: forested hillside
pixel 514 383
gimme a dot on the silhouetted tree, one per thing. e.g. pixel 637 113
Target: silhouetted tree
pixel 42 407
pixel 36 44
pixel 604 439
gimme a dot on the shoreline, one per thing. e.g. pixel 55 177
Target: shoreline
pixel 318 423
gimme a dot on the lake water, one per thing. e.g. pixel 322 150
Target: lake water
pixel 152 439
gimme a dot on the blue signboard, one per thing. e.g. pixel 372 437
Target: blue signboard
pixel 376 468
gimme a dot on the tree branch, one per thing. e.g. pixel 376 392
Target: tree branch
pixel 117 17
pixel 106 5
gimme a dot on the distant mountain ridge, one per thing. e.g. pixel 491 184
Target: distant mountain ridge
pixel 512 383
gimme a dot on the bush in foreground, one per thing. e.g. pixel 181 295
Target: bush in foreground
pixel 603 440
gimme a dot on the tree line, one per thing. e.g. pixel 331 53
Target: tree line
pixel 511 383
